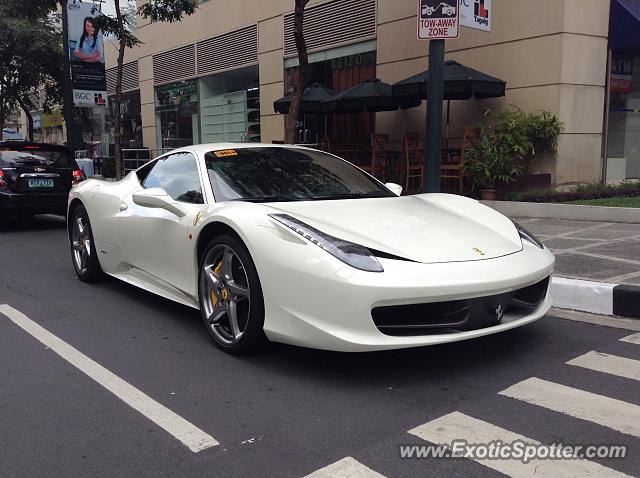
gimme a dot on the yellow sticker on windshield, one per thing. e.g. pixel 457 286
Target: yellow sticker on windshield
pixel 226 153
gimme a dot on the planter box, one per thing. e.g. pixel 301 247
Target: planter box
pixel 525 183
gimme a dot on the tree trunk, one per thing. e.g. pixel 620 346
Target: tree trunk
pixel 25 108
pixel 3 109
pixel 305 72
pixel 117 134
pixel 2 117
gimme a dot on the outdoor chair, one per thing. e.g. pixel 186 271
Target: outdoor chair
pixel 325 144
pixel 414 158
pixel 379 156
pixel 453 159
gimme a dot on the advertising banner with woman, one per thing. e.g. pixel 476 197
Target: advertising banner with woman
pixel 86 50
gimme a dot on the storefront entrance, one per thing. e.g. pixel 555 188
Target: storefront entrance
pixel 177 114
pixel 338 74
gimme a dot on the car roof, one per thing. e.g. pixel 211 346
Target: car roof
pixel 21 145
pixel 208 147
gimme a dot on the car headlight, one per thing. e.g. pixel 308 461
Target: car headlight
pixel 527 236
pixel 352 254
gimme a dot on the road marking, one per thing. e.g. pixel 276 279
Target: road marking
pixel 608 412
pixel 611 364
pixel 632 339
pixel 345 468
pixel 458 426
pixel 189 434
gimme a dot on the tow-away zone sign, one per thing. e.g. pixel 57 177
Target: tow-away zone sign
pixel 438 19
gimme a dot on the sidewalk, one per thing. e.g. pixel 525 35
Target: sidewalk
pixel 594 251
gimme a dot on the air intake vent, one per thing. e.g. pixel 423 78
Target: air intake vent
pixel 231 50
pixel 333 24
pixel 130 79
pixel 175 64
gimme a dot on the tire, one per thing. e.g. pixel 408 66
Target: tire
pixel 83 251
pixel 228 287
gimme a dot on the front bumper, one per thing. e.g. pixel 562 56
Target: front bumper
pixel 42 203
pixel 322 303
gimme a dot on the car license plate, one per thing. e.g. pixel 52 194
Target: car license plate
pixel 40 183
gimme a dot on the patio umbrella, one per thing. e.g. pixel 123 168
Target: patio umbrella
pixel 369 96
pixel 311 100
pixel 460 83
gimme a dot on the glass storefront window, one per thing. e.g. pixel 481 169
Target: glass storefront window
pixel 623 143
pixel 230 106
pixel 130 119
pixel 177 114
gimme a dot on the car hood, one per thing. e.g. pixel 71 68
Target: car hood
pixel 427 228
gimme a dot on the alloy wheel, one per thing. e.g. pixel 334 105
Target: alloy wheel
pixel 81 243
pixel 224 288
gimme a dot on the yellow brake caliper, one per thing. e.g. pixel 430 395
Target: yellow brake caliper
pixel 214 296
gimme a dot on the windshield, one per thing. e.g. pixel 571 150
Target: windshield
pixel 58 159
pixel 286 174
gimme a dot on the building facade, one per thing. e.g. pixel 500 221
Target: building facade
pixel 215 75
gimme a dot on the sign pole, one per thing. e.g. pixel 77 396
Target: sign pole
pixel 434 117
pixel 438 20
pixel 72 138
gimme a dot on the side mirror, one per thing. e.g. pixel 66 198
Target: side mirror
pixel 157 198
pixel 394 188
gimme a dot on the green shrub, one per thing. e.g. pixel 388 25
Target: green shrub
pixel 509 142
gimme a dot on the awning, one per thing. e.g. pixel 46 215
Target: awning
pixel 624 27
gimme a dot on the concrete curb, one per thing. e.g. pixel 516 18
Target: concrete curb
pixel 596 297
pixel 570 212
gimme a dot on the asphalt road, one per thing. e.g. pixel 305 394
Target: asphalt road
pixel 287 412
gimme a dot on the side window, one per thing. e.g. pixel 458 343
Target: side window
pixel 144 171
pixel 178 175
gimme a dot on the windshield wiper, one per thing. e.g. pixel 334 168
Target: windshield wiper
pixel 270 199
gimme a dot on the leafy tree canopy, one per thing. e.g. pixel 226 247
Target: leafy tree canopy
pixel 30 54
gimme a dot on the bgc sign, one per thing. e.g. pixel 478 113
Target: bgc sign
pixel 438 19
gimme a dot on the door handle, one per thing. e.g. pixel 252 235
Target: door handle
pixel 123 206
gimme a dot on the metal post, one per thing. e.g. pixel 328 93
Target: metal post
pixel 434 117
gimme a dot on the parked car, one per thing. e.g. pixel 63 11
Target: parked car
pixel 35 178
pixel 295 245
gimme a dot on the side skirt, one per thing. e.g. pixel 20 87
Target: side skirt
pixel 149 283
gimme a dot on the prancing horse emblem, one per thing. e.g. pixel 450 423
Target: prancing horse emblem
pixel 499 311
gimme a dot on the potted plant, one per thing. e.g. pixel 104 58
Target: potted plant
pixel 509 142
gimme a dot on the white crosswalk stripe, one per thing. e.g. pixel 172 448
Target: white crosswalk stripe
pixel 345 468
pixel 611 364
pixel 458 426
pixel 605 411
pixel 632 339
pixel 190 435
pixel 616 414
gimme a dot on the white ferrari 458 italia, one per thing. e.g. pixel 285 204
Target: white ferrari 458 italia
pixel 290 244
